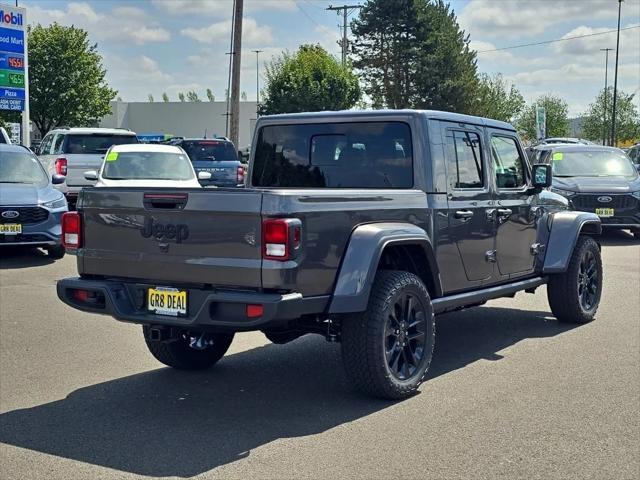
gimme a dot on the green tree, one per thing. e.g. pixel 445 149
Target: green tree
pixel 165 97
pixel 497 98
pixel 192 96
pixel 308 80
pixel 595 125
pixel 150 98
pixel 66 78
pixel 210 96
pixel 181 97
pixel 556 117
pixel 413 54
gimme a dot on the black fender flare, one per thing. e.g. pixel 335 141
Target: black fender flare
pixel 565 227
pixel 362 255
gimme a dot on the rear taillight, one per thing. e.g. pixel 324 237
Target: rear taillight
pixel 61 166
pixel 71 230
pixel 240 175
pixel 281 238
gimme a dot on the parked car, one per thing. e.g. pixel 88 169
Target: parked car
pixel 216 156
pixel 565 140
pixel 30 207
pixel 4 136
pixel 358 226
pixel 596 179
pixel 72 151
pixel 146 165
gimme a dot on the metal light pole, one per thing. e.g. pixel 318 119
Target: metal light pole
pixel 606 69
pixel 257 52
pixel 615 82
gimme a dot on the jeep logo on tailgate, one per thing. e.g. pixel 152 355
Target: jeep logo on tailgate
pixel 168 231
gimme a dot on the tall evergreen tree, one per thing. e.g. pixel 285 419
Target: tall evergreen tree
pixel 413 54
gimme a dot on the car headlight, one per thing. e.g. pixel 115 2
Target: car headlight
pixel 636 194
pixel 564 193
pixel 57 203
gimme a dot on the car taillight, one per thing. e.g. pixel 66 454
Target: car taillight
pixel 61 166
pixel 240 175
pixel 281 238
pixel 71 230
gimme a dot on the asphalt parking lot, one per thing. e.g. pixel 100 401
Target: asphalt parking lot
pixel 511 394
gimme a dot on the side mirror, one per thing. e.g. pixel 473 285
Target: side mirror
pixel 91 175
pixel 57 179
pixel 541 176
pixel 204 176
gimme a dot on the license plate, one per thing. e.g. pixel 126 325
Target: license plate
pixel 605 212
pixel 11 228
pixel 167 301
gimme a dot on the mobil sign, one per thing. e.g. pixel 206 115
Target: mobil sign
pixel 13 61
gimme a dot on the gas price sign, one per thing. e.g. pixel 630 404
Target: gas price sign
pixel 13 24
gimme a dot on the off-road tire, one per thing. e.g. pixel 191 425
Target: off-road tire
pixel 563 288
pixel 363 338
pixel 178 354
pixel 56 252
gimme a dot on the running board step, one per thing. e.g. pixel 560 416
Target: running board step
pixel 459 300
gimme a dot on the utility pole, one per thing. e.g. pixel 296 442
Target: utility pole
pixel 606 69
pixel 227 112
pixel 346 11
pixel 235 75
pixel 615 82
pixel 257 52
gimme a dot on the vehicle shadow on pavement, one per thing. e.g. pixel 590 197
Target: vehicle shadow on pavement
pixel 617 238
pixel 23 257
pixel 169 423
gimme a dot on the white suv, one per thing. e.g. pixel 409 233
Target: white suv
pixel 72 151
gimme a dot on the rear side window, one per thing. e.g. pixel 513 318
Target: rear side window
pixel 209 150
pixel 95 142
pixel 464 160
pixel 337 155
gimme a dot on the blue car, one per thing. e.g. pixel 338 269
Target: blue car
pixel 30 207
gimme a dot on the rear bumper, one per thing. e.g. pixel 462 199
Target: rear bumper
pixel 207 309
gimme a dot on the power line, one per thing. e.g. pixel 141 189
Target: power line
pixel 557 40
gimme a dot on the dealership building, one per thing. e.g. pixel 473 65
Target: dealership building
pixel 180 119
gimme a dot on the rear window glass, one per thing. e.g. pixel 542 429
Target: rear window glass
pixel 95 143
pixel 147 166
pixel 209 150
pixel 337 155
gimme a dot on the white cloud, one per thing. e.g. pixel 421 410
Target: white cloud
pixel 590 46
pixel 252 33
pixel 218 8
pixel 122 24
pixel 532 17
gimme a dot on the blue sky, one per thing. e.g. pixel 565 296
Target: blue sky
pixel 155 46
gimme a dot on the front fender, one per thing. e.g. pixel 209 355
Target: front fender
pixel 361 258
pixel 565 227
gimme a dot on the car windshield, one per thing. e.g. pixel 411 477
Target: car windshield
pixel 95 143
pixel 19 167
pixel 147 166
pixel 591 163
pixel 209 150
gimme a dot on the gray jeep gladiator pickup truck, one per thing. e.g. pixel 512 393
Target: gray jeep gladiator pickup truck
pixel 359 226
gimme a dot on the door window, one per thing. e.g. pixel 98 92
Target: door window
pixel 45 146
pixel 57 144
pixel 464 159
pixel 507 162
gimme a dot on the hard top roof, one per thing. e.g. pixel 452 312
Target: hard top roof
pixel 12 147
pixel 89 130
pixel 371 114
pixel 146 147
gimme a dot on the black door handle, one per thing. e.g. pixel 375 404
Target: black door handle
pixel 464 214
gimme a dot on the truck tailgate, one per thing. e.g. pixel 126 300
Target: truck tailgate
pixel 77 164
pixel 170 235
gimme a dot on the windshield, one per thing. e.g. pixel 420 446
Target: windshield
pixel 19 167
pixel 591 163
pixel 96 143
pixel 147 166
pixel 209 150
